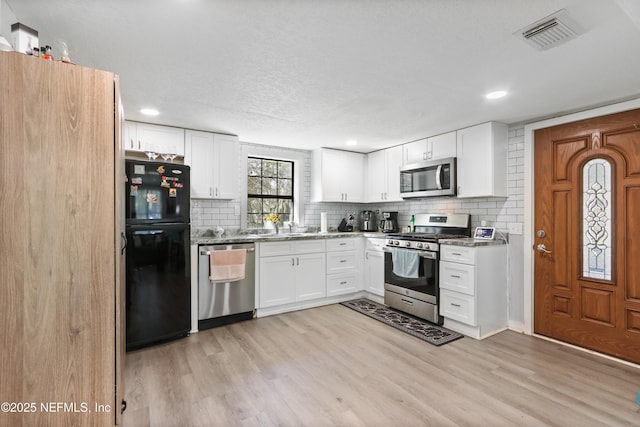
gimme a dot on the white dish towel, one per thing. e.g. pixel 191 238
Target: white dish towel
pixel 406 262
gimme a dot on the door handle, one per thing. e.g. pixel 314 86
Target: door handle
pixel 124 242
pixel 542 249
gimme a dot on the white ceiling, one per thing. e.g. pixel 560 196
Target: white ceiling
pixel 309 73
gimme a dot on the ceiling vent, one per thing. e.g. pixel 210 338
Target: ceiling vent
pixel 550 31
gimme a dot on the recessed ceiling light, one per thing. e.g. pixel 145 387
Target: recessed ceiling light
pixel 149 111
pixel 497 94
pixel 352 142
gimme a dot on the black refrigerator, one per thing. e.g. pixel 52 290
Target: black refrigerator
pixel 158 288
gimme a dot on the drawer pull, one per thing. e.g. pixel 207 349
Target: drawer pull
pixel 455 305
pixel 343 244
pixel 456 254
pixel 455 277
pixel 343 283
pixel 406 301
pixel 343 260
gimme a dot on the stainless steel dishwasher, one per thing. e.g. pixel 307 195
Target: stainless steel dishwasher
pixel 226 302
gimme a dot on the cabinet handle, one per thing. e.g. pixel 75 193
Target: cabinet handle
pixel 455 305
pixel 343 260
pixel 343 283
pixel 424 155
pixel 454 276
pixel 346 196
pixel 406 301
pixel 139 144
pixel 366 255
pixel 456 254
pixel 343 244
pixel 293 262
pixel 216 191
pixel 210 192
pixel 297 261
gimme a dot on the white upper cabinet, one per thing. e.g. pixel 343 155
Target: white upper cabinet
pixel 337 176
pixel 442 146
pixel 383 173
pixel 482 160
pixel 159 139
pixel 414 152
pixel 213 161
pixel 432 148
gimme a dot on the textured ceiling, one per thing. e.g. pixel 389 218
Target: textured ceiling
pixel 311 73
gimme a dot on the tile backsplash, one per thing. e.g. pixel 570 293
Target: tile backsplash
pixel 497 212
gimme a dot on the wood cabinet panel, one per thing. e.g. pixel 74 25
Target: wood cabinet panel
pixel 57 250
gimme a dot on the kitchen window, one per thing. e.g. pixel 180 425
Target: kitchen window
pixel 269 190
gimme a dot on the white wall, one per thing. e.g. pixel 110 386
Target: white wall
pixel 7 17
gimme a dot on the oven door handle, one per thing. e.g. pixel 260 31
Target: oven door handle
pixel 421 254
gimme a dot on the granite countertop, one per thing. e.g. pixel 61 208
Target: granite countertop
pixel 272 237
pixel 471 242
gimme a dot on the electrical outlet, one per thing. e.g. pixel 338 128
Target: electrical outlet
pixel 237 210
pixel 515 228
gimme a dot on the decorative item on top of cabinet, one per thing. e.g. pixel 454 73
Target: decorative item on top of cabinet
pixel 214 164
pixel 142 137
pixel 431 148
pixel 337 176
pixel 482 160
pixel 383 173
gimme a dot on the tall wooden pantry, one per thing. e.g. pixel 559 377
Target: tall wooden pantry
pixel 61 250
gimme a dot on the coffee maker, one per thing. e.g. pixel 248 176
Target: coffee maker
pixel 389 223
pixel 368 221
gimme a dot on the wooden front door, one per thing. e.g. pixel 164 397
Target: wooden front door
pixel 587 234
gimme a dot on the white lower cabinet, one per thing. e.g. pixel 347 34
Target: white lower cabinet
pixel 342 267
pixel 473 289
pixel 374 266
pixel 291 271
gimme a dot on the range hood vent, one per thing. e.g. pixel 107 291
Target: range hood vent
pixel 550 31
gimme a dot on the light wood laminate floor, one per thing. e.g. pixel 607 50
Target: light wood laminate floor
pixel 332 366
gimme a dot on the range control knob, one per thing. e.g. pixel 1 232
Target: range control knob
pixel 408 244
pixel 397 243
pixel 419 245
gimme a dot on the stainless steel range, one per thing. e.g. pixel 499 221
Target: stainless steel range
pixel 411 264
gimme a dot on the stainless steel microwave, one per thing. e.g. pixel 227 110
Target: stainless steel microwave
pixel 428 179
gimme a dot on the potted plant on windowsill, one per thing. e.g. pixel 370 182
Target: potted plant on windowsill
pixel 274 219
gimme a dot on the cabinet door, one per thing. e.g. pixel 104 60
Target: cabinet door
pixel 374 272
pixel 277 281
pixel 310 276
pixel 225 157
pixel 338 176
pixel 482 160
pixel 415 152
pixel 457 306
pixel 376 172
pixel 394 162
pixel 442 146
pixel 160 139
pixel 199 154
pixel 129 139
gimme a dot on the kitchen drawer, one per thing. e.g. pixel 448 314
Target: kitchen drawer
pixel 374 244
pixel 341 245
pixel 284 247
pixel 457 306
pixel 291 247
pixel 462 254
pixel 341 262
pixel 457 277
pixel 310 246
pixel 338 284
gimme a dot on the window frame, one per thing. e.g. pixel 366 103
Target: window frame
pixel 291 197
